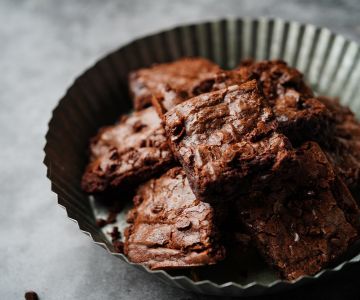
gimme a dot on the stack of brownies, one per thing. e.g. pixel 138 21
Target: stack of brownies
pixel 211 153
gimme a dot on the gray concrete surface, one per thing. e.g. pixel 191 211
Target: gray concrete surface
pixel 44 45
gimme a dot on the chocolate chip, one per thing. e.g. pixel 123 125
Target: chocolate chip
pixel 183 224
pixel 31 295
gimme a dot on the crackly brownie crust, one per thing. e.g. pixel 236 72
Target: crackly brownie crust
pixel 343 144
pixel 224 137
pixel 127 153
pixel 306 221
pixel 300 116
pixel 170 228
pixel 276 77
pixel 170 83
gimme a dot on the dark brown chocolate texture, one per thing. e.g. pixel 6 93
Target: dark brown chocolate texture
pixel 170 228
pixel 300 116
pixel 343 144
pixel 224 138
pixel 170 83
pixel 127 153
pixel 306 221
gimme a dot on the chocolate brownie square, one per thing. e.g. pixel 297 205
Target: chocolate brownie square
pixel 343 144
pixel 170 228
pixel 127 153
pixel 224 138
pixel 300 116
pixel 170 83
pixel 302 222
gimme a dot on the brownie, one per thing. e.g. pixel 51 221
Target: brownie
pixel 343 144
pixel 224 138
pixel 170 83
pixel 130 152
pixel 276 77
pixel 302 222
pixel 170 228
pixel 300 116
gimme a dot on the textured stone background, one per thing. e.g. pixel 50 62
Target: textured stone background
pixel 44 45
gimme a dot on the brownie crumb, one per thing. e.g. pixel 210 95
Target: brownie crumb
pixel 31 295
pixel 101 222
pixel 115 233
pixel 118 246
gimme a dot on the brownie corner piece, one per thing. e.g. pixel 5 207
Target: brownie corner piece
pixel 222 138
pixel 169 227
pixel 300 115
pixel 127 153
pixel 170 83
pixel 307 221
